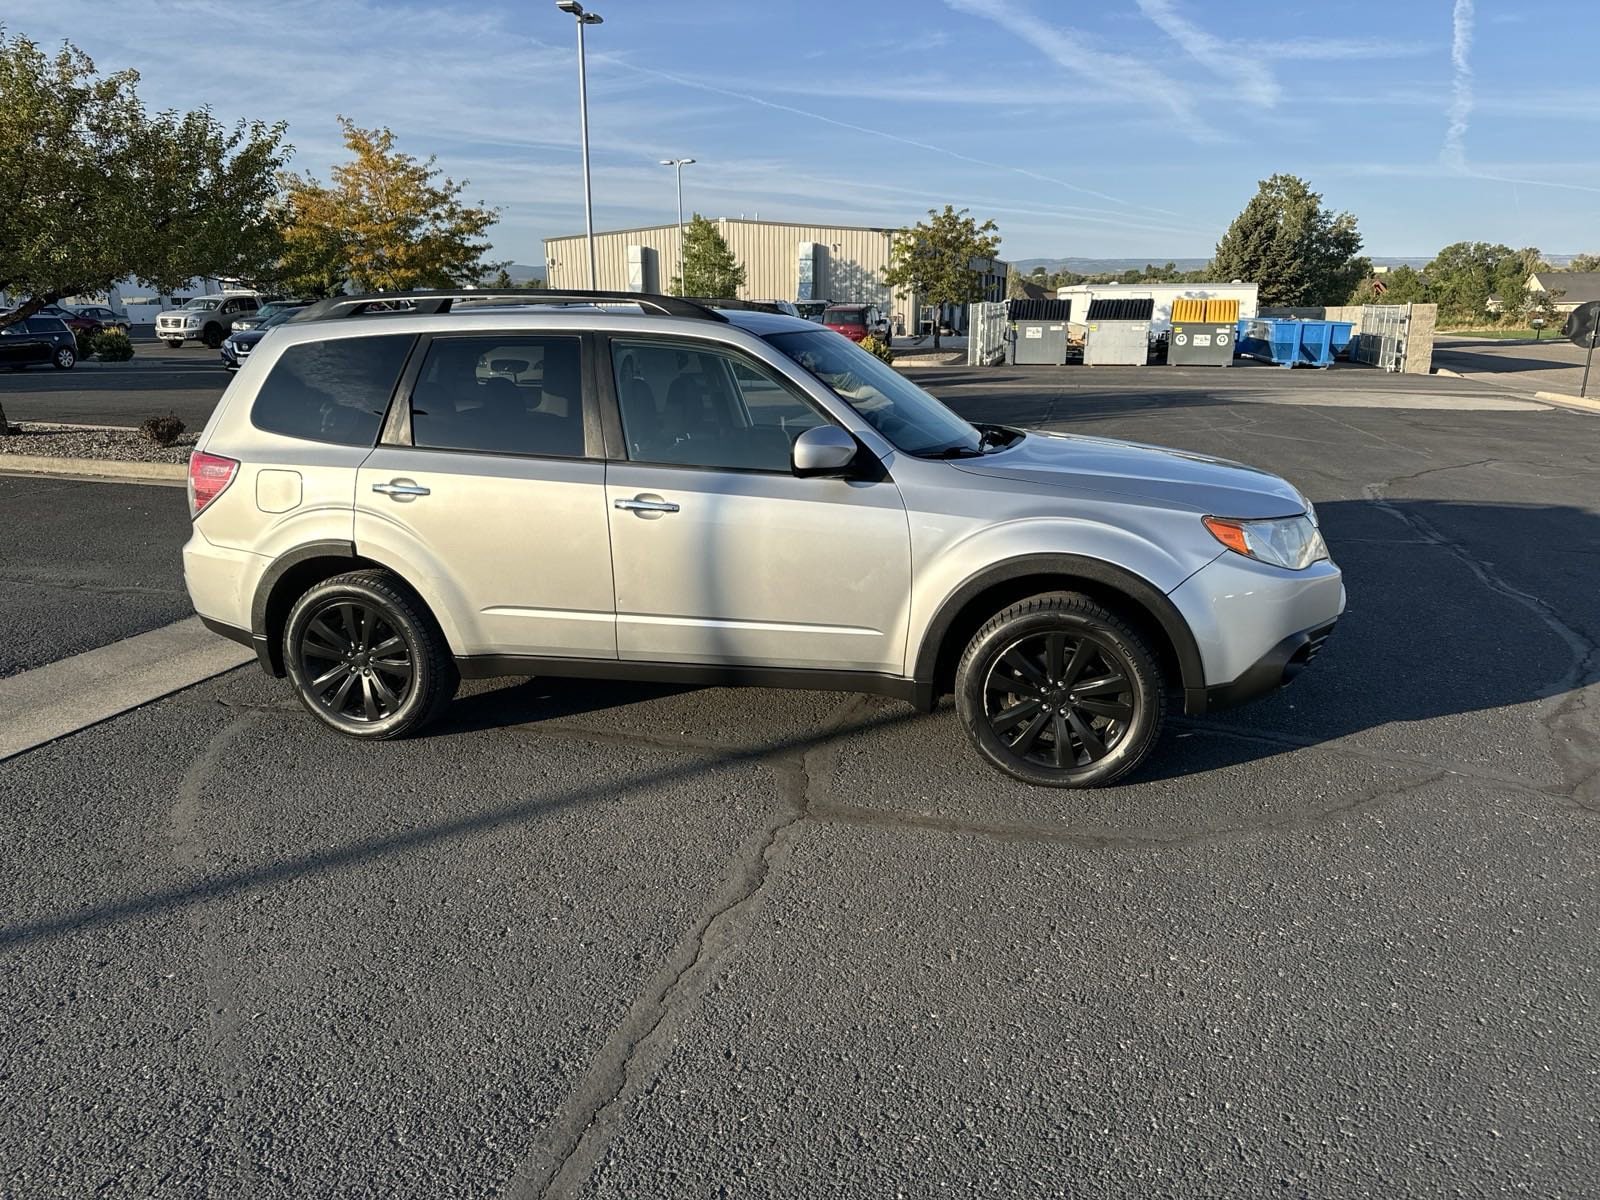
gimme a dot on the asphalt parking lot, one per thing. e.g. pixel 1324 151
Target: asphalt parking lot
pixel 610 940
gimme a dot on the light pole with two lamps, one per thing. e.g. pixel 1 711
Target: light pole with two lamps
pixel 678 164
pixel 584 18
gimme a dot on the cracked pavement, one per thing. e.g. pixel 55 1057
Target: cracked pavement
pixel 607 940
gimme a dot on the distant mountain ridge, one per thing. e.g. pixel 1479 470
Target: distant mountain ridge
pixel 1115 266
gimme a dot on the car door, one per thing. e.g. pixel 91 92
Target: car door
pixel 489 482
pixel 38 346
pixel 721 554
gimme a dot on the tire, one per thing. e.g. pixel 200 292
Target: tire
pixel 338 624
pixel 65 358
pixel 174 343
pixel 1060 730
pixel 212 337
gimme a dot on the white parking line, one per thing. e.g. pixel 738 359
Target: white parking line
pixel 41 705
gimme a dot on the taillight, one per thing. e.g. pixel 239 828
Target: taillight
pixel 209 477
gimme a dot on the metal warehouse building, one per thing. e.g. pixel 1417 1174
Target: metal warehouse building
pixel 782 260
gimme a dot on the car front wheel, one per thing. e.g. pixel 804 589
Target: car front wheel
pixel 366 657
pixel 1058 691
pixel 174 343
pixel 65 358
pixel 212 337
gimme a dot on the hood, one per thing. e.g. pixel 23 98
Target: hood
pixel 1176 478
pixel 247 337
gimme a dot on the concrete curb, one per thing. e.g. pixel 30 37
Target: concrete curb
pixel 110 470
pixel 63 697
pixel 1576 403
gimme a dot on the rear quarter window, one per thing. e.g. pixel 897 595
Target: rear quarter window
pixel 335 391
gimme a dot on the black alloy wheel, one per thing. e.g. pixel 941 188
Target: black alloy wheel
pixel 1057 690
pixel 1059 701
pixel 366 657
pixel 356 665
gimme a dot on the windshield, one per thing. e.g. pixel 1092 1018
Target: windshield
pixel 276 317
pixel 897 408
pixel 203 303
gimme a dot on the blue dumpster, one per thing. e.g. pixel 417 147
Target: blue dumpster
pixel 1343 331
pixel 1287 342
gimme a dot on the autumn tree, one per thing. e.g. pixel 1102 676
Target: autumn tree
pixel 940 259
pixel 1297 251
pixel 388 222
pixel 709 268
pixel 94 189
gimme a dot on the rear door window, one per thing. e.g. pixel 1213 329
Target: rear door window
pixel 844 316
pixel 335 391
pixel 512 394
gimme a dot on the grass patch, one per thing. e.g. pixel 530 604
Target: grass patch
pixel 1500 333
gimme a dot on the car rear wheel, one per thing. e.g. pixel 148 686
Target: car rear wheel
pixel 1056 690
pixel 65 358
pixel 366 657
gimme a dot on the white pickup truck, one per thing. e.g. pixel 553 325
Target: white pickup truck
pixel 205 319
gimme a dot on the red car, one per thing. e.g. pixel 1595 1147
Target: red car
pixel 77 322
pixel 857 321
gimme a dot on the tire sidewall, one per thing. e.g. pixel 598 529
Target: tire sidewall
pixel 66 359
pixel 992 642
pixel 412 711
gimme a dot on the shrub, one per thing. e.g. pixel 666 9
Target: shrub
pixel 163 431
pixel 85 339
pixel 877 348
pixel 113 345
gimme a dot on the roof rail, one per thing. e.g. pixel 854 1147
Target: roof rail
pixel 428 302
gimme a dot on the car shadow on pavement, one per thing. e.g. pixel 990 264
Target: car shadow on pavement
pixel 1454 608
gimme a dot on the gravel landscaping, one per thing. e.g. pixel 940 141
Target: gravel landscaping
pixel 88 441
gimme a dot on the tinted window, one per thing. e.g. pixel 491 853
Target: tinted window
pixel 844 316
pixel 705 408
pixel 516 394
pixel 46 325
pixel 333 391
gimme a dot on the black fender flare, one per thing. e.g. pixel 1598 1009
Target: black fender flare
pixel 1069 566
pixel 270 656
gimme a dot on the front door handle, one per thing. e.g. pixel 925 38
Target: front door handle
pixel 401 490
pixel 647 504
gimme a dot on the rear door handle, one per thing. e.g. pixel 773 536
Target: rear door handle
pixel 402 490
pixel 647 504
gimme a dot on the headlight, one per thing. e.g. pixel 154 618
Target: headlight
pixel 1292 542
pixel 191 323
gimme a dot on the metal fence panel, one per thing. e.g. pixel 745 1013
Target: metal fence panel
pixel 986 333
pixel 1382 340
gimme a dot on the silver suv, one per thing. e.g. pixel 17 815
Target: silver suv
pixel 387 500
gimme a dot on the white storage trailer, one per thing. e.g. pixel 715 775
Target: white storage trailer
pixel 1162 294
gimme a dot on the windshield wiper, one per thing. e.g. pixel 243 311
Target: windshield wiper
pixel 956 451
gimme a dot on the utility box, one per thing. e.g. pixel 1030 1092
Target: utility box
pixel 1038 332
pixel 1203 333
pixel 1117 333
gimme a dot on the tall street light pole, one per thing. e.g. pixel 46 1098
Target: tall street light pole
pixel 678 164
pixel 584 18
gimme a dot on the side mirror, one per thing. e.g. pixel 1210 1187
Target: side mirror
pixel 824 450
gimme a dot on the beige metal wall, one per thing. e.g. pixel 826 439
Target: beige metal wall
pixel 849 265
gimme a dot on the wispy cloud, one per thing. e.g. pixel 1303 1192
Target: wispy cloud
pixel 1128 76
pixel 1336 49
pixel 1225 60
pixel 1454 153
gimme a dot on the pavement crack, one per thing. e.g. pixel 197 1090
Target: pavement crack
pixel 571 1146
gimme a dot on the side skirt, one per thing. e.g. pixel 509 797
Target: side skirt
pixel 489 666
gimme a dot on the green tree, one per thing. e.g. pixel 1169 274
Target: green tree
pixel 1296 250
pixel 709 267
pixel 1016 284
pixel 935 259
pixel 1583 262
pixel 502 280
pixel 1464 275
pixel 94 189
pixel 388 223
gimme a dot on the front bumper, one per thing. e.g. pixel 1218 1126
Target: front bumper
pixel 1273 670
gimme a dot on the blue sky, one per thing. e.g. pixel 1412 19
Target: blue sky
pixel 1112 128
